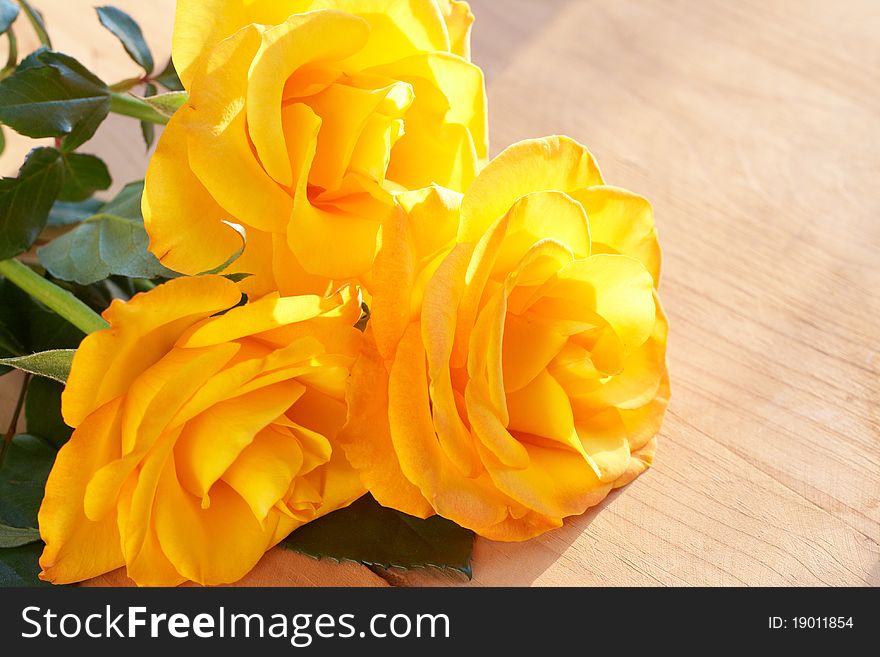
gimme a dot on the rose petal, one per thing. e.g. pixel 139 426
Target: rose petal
pixel 345 112
pixel 458 18
pixel 551 163
pixel 622 222
pixel 264 314
pixel 603 436
pixel 219 145
pixel 188 533
pixel 78 548
pixel 264 470
pixel 199 25
pixel 641 460
pixel 366 437
pixel 147 326
pixel 558 483
pixel 472 503
pixel 446 130
pixel 617 288
pixel 397 29
pixel 293 44
pixel 186 230
pixel 540 216
pixel 528 348
pixel 438 322
pixel 211 441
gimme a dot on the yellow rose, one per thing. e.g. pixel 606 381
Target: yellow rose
pixel 202 439
pixel 516 372
pixel 304 118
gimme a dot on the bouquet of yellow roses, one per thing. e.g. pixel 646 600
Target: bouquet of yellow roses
pixel 328 320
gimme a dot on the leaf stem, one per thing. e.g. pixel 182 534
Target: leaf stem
pixel 36 22
pixel 129 105
pixel 126 85
pixel 142 284
pixel 12 59
pixel 13 424
pixel 56 298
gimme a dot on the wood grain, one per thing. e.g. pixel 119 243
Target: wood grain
pixel 754 128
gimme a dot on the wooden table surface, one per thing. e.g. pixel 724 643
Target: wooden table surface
pixel 754 128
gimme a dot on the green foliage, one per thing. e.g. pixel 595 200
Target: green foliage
pixel 35 327
pixel 129 33
pixel 25 201
pixel 11 537
pixel 52 95
pixel 101 246
pixel 37 22
pixel 148 130
pixel 53 364
pixel 68 214
pixel 25 465
pixel 368 533
pixel 19 566
pixel 127 203
pixel 83 176
pixel 25 462
pixel 43 411
pixel 110 243
pixel 8 13
pixel 169 79
pixel 168 103
pixel 9 346
pixel 101 294
pixel 128 104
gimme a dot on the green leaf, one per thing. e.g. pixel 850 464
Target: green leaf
pixel 11 537
pixel 83 176
pixel 23 473
pixel 14 322
pixel 127 203
pixel 11 56
pixel 100 295
pixel 8 14
pixel 34 327
pixel 20 566
pixel 148 130
pixel 43 411
pixel 47 330
pixel 54 364
pixel 237 278
pixel 168 78
pixel 68 214
pixel 25 201
pixel 129 33
pixel 37 22
pixel 168 103
pixel 364 319
pixel 368 533
pixel 109 241
pixel 53 95
pixel 137 107
pixel 25 462
pixel 9 346
pixel 103 245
